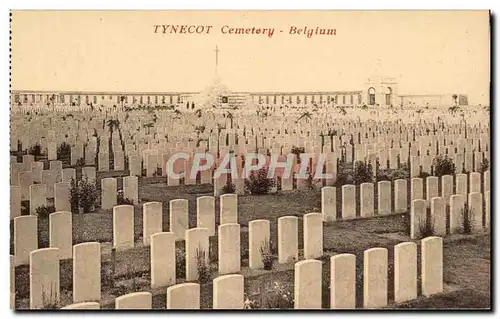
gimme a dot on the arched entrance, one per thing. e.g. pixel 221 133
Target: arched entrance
pixel 388 96
pixel 371 96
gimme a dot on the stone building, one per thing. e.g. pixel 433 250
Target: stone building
pixel 377 91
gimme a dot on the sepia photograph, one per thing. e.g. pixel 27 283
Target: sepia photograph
pixel 250 160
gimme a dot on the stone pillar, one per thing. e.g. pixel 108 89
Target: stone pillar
pixel 131 188
pixel 288 248
pixel 68 174
pixel 418 217
pixel 228 209
pixel 229 248
pixel 163 260
pixel 15 202
pixel 446 187
pixel 461 180
pixel 367 199
pixel 87 272
pixel 108 193
pixel 83 306
pixel 400 196
pixel 405 272
pixel 329 203
pixel 475 182
pixel 123 227
pixel 179 218
pixel 384 198
pixel 307 284
pixel 61 233
pixel 89 173
pixel 343 281
pixel 62 197
pixel 375 278
pixel 417 189
pixel 25 238
pixel 313 235
pixel 438 215
pixel 197 247
pixel 44 278
pixel 38 197
pixel 476 209
pixel 205 213
pixel 135 301
pixel 348 201
pixel 228 292
pixel 259 235
pixel 183 296
pixel 457 203
pixel 432 189
pixel 432 266
pixel 152 220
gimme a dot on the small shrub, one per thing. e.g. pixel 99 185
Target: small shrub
pixel 35 150
pixel 258 183
pixel 123 201
pixel 80 162
pixel 250 303
pixel 25 208
pixel 64 153
pixel 44 211
pixel 345 176
pixel 363 172
pixel 280 297
pixel 426 228
pixel 83 195
pixel 393 174
pixel 485 165
pixel 407 223
pixel 88 195
pixel 202 266
pixel 50 302
pixel 424 175
pixel 267 255
pixel 107 277
pixel 309 181
pixel 443 166
pixel 73 196
pixel 467 220
pixel 229 188
pixel 180 263
pixel 298 150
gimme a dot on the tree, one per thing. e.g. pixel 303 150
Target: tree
pixel 229 115
pixel 306 115
pixel 455 99
pixel 122 99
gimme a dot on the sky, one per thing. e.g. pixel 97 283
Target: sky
pixel 428 52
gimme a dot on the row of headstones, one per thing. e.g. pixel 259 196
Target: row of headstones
pixel 38 193
pixel 384 205
pixel 233 138
pixel 479 217
pixel 60 229
pixel 228 290
pixel 20 176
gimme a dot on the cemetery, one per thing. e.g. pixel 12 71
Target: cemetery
pixel 101 217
